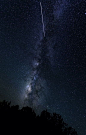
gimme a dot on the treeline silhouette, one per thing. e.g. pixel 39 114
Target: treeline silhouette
pixel 25 121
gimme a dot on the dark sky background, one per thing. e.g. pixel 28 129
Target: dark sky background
pixel 45 72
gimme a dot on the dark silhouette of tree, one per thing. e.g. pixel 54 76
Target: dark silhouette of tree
pixel 25 121
pixel 15 108
pixel 4 106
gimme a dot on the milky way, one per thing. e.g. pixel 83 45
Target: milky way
pixel 43 57
pixel 34 95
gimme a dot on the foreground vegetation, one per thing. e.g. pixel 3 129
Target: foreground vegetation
pixel 25 121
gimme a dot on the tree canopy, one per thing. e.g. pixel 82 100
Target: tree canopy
pixel 25 120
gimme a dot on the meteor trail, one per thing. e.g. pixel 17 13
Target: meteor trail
pixel 42 19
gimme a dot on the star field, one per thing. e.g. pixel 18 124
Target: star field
pixel 45 72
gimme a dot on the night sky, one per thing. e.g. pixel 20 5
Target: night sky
pixel 45 71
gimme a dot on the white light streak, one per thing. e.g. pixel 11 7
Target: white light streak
pixel 42 19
